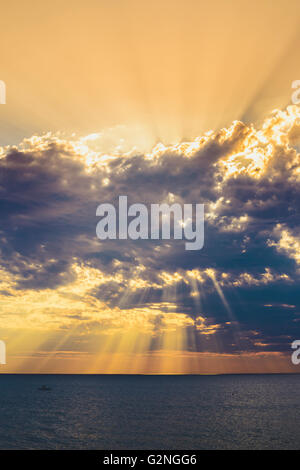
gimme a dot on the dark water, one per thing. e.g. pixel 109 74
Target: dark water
pixel 150 412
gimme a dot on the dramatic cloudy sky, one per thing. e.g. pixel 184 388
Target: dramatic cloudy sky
pixel 187 115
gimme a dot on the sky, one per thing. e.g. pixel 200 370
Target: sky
pixel 163 101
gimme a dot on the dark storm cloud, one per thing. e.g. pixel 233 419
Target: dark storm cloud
pixel 249 183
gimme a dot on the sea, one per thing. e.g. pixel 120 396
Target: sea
pixel 182 412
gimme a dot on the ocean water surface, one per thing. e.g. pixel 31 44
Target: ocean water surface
pixel 150 412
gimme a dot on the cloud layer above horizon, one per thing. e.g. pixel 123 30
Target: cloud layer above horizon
pixel 239 294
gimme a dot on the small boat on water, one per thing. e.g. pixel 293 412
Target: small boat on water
pixel 44 388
